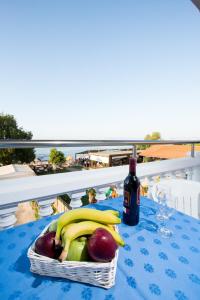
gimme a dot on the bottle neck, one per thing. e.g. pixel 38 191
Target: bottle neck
pixel 132 166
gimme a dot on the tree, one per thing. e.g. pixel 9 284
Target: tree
pixel 154 136
pixel 147 137
pixel 56 157
pixel 9 129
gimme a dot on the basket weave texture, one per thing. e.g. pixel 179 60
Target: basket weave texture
pixel 94 273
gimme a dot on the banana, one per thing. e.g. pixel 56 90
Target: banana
pixel 85 214
pixel 114 212
pixel 74 230
pixel 110 226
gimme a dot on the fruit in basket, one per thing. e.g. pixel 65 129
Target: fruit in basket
pixel 78 250
pixel 74 230
pixel 105 217
pixel 45 245
pixel 114 212
pixel 102 246
pixel 53 227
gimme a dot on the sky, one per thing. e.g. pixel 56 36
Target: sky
pixel 103 69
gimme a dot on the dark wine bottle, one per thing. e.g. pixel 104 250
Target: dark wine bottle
pixel 131 204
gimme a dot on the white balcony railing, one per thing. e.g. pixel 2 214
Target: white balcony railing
pixel 45 188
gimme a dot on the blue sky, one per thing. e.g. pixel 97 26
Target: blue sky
pixel 101 69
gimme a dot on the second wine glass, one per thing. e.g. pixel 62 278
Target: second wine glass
pixel 165 210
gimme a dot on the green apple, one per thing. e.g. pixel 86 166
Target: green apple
pixel 53 227
pixel 78 250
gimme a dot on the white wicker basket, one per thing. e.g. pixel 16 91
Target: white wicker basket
pixel 98 274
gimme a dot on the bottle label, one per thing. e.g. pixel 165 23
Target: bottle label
pixel 126 210
pixel 127 198
pixel 138 196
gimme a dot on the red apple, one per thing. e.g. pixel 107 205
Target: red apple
pixel 45 245
pixel 102 246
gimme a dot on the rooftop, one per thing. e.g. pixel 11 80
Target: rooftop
pixel 15 171
pixel 108 153
pixel 168 151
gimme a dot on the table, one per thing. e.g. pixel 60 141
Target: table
pixel 149 267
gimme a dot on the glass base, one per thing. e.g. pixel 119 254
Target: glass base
pixel 161 217
pixel 165 232
pixel 148 225
pixel 147 211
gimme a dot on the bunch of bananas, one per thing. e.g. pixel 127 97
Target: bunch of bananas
pixel 84 221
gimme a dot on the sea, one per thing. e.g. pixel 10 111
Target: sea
pixel 43 153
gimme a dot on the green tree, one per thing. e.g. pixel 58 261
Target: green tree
pixel 56 157
pixel 9 129
pixel 154 136
pixel 147 137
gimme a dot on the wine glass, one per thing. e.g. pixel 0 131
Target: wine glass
pixel 145 223
pixel 147 211
pixel 163 195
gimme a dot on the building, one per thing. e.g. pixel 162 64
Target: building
pixel 106 158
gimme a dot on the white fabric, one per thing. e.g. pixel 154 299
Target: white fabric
pixel 185 194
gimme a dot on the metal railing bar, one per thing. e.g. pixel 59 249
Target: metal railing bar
pixel 4 144
pixel 192 150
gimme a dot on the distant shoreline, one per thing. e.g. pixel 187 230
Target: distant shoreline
pixel 43 153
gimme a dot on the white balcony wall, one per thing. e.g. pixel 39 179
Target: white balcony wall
pixel 47 187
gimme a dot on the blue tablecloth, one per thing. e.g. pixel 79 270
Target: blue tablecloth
pixel 149 267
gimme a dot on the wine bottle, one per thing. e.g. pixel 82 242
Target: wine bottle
pixel 131 204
